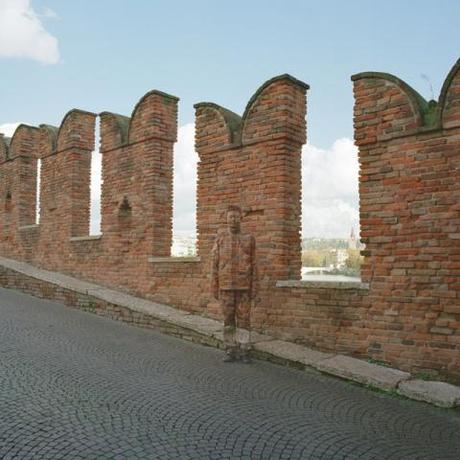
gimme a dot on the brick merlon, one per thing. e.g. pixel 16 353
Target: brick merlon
pixel 169 118
pixel 19 132
pixel 122 121
pixel 454 71
pixel 21 127
pixel 4 147
pixel 231 119
pixel 282 77
pixel 52 132
pixel 430 112
pixel 69 114
pixel 74 130
pixel 425 111
pixel 151 93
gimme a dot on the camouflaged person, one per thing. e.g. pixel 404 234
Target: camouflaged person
pixel 234 284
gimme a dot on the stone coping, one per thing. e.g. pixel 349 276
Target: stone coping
pixel 174 260
pixel 29 227
pixel 85 238
pixel 264 346
pixel 353 283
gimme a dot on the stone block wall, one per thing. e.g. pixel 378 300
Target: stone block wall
pixel 406 310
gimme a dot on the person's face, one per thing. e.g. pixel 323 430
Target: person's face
pixel 233 220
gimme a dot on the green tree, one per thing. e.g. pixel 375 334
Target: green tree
pixel 354 260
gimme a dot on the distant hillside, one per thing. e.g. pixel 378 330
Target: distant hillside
pixel 318 244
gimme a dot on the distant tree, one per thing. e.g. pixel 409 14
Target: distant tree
pixel 354 259
pixel 311 259
pixel 324 243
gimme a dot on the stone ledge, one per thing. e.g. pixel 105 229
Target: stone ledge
pixel 174 260
pixel 354 283
pixel 385 378
pixel 85 238
pixel 208 331
pixel 292 352
pixel 29 227
pixel 438 393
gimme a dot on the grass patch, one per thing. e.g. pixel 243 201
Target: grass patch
pixel 378 362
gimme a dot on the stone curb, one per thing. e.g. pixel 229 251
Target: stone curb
pixel 382 377
pixel 208 331
pixel 438 393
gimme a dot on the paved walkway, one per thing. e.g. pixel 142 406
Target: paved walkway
pixel 74 385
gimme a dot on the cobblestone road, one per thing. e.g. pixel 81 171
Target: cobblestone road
pixel 73 385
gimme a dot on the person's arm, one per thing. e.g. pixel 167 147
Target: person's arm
pixel 215 269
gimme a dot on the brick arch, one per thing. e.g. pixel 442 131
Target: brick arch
pixel 114 130
pixel 76 130
pixel 449 98
pixel 4 147
pixel 216 127
pixel 48 139
pixel 395 108
pixel 24 142
pixel 155 115
pixel 276 105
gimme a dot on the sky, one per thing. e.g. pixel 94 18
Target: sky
pixel 105 54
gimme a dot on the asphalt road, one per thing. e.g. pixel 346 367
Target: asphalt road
pixel 73 385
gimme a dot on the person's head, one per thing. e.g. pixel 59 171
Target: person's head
pixel 234 218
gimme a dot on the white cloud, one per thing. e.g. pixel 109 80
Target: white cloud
pixel 49 13
pixel 332 218
pixel 330 203
pixel 22 33
pixel 185 178
pixel 8 129
pixel 95 191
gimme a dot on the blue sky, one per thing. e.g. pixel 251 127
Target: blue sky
pixel 105 54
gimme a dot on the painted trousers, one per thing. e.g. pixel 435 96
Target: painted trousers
pixel 236 308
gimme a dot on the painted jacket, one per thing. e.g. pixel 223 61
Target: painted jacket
pixel 233 263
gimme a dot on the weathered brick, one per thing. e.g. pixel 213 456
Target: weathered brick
pixel 410 217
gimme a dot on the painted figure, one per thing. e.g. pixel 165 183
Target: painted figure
pixel 234 284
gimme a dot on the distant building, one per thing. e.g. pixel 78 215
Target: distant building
pixel 352 240
pixel 342 256
pixel 183 246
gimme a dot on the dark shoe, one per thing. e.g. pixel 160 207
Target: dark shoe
pixel 245 358
pixel 230 357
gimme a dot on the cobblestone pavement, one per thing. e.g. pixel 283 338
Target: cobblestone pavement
pixel 73 385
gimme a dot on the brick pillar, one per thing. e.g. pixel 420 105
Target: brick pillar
pixel 23 152
pixel 410 219
pixel 138 176
pixel 75 142
pixel 6 176
pixel 254 162
pixel 217 136
pixel 274 131
pixel 53 240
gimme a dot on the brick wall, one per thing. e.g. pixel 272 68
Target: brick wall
pixel 410 219
pixel 407 310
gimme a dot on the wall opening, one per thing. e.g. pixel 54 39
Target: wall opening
pixel 96 183
pixel 330 211
pixel 37 196
pixel 184 193
pixel 125 214
pixel 7 212
pixel 8 202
